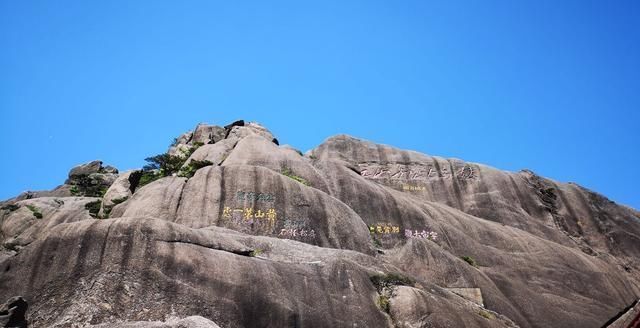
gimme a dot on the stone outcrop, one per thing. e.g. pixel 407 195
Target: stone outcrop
pixel 120 190
pixel 351 234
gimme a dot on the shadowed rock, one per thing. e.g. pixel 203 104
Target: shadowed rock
pixel 12 313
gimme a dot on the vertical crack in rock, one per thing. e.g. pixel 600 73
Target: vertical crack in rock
pixel 548 194
pixel 177 212
pixel 456 188
pixel 223 193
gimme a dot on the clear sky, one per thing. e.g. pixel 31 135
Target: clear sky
pixel 548 85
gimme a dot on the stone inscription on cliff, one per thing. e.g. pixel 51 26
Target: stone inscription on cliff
pixel 415 172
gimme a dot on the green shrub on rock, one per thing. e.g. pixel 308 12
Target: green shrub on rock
pixel 287 172
pixel 36 212
pixel 10 207
pixel 384 303
pixel 93 207
pixel 385 286
pixel 190 169
pixel 486 314
pixel 470 260
pixel 390 280
pixel 88 186
pixel 255 252
pixel 164 164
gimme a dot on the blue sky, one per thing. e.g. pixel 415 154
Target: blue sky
pixel 553 86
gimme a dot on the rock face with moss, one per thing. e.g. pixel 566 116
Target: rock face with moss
pixel 230 229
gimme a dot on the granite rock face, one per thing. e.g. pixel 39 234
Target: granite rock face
pixel 189 322
pixel 352 234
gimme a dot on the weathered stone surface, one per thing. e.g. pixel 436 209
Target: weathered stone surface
pixel 86 169
pixel 207 134
pixel 411 307
pixel 202 134
pixel 142 269
pixel 90 179
pixel 564 213
pixel 472 294
pixel 215 153
pixel 189 322
pixel 358 169
pixel 266 237
pixel 119 191
pixel 159 199
pixel 629 318
pixel 221 196
pixel 60 191
pixel 248 129
pixel 21 226
pixel 258 151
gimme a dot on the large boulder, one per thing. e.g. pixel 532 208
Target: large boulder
pixel 119 191
pixel 214 153
pixel 24 221
pixel 471 206
pixel 564 213
pixel 202 134
pixel 91 179
pixel 253 200
pixel 351 234
pixel 136 269
pixel 86 169
pixel 207 134
pixel 259 151
pixel 240 131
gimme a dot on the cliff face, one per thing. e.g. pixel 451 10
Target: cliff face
pixel 353 234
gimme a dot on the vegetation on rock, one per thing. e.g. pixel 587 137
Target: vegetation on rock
pixel 486 314
pixel 190 169
pixel 117 201
pixel 470 260
pixel 384 303
pixel 385 286
pixel 289 173
pixel 88 186
pixel 184 231
pixel 390 280
pixel 93 207
pixel 255 252
pixel 10 207
pixel 164 165
pixel 36 212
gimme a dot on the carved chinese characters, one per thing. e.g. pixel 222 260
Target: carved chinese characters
pixel 255 213
pixel 413 188
pixel 389 229
pixel 383 229
pixel 297 229
pixel 431 235
pixel 414 172
pixel 250 215
pixel 254 196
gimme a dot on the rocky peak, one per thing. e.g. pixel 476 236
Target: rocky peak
pixel 229 228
